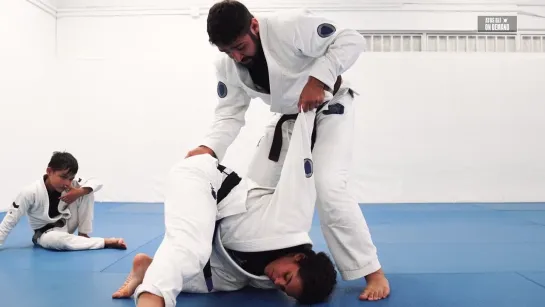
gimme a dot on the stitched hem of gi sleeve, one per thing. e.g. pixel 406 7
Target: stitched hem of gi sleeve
pixel 216 146
pixel 372 267
pixel 92 187
pixel 321 72
pixel 153 290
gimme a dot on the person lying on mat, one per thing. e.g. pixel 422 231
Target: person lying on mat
pixel 57 204
pixel 261 239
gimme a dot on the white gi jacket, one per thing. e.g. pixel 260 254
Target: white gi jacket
pixel 296 45
pixel 33 201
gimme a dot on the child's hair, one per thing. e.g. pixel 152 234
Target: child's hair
pixel 61 161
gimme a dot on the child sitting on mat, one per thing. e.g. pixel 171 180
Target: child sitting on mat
pixel 57 204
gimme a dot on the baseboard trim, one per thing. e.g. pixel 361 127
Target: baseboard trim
pixel 380 203
pixel 361 204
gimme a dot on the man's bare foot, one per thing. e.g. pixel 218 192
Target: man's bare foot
pixel 140 264
pixel 116 243
pixel 83 235
pixel 377 287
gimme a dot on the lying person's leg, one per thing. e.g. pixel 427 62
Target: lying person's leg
pixel 140 264
pixel 190 216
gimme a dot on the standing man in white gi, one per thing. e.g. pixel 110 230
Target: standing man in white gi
pixel 57 205
pixel 295 61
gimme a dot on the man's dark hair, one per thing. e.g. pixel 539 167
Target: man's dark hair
pixel 318 276
pixel 227 20
pixel 61 161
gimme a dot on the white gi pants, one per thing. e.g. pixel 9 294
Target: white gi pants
pixel 342 222
pixel 190 218
pixel 82 212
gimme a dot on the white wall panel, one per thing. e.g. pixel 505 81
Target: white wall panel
pixel 31 123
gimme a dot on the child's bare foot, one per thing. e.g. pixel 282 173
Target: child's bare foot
pixel 377 287
pixel 116 243
pixel 140 264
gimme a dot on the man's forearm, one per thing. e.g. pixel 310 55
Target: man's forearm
pixel 150 300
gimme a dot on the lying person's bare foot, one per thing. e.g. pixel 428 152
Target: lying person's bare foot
pixel 116 243
pixel 140 264
pixel 377 287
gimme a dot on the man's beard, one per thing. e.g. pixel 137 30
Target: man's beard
pixel 259 54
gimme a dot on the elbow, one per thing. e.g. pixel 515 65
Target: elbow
pixel 349 48
pixel 355 40
pixel 93 188
pixel 98 187
pixel 361 44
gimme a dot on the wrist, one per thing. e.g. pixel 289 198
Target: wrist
pixel 316 82
pixel 85 190
pixel 209 150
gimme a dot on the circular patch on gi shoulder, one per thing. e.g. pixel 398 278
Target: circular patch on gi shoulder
pixel 326 30
pixel 222 89
pixel 309 168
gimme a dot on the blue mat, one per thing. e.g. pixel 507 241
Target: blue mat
pixel 435 255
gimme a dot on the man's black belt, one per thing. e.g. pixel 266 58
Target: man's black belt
pixel 276 146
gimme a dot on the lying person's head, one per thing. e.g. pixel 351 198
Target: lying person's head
pixel 308 277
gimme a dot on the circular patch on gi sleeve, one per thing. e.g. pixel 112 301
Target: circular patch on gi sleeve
pixel 326 30
pixel 309 169
pixel 222 89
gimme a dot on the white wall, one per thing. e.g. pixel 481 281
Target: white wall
pixel 147 77
pixel 31 123
pixel 137 91
pixel 450 127
pixel 143 92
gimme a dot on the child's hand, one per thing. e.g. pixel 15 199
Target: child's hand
pixel 71 195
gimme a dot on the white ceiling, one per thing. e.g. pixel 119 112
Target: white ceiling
pixel 67 4
pixel 178 4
